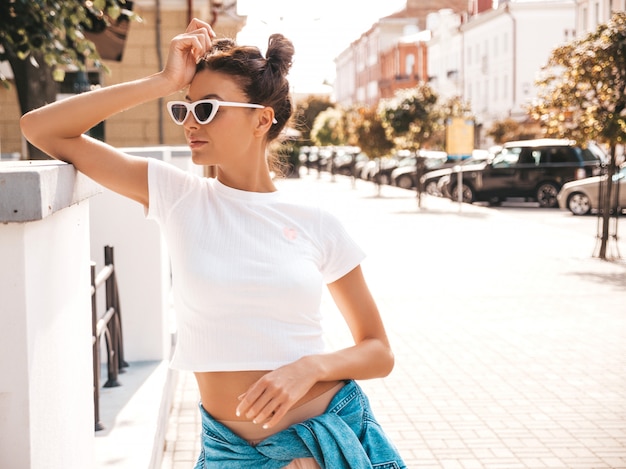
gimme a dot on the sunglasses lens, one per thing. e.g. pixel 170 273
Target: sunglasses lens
pixel 179 112
pixel 203 111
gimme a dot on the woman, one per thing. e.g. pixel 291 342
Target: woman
pixel 247 265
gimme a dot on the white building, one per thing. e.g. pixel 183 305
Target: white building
pixel 591 13
pixel 445 53
pixel 503 51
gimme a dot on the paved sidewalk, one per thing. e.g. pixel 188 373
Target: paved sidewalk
pixel 510 339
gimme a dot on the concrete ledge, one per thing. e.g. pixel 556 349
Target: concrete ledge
pixel 135 417
pixel 35 189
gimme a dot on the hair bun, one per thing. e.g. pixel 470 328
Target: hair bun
pixel 280 53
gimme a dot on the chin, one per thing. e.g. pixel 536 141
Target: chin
pixel 200 158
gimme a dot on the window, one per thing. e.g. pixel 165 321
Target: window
pixel 529 156
pixel 409 65
pixel 507 157
pixel 558 155
pixel 505 87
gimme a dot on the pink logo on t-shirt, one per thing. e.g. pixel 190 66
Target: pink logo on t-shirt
pixel 290 233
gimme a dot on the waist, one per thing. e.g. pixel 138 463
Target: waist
pixel 254 433
pixel 219 391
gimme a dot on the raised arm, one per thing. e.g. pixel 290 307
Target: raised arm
pixel 58 128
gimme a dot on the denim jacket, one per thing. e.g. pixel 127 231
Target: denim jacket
pixel 346 436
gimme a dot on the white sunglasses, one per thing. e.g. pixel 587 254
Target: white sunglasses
pixel 203 110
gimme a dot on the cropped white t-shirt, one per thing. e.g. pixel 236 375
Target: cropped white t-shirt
pixel 248 270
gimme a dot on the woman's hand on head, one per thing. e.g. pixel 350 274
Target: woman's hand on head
pixel 185 51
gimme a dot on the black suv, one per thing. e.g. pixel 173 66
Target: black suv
pixel 533 169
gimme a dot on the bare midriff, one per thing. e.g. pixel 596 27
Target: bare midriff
pixel 219 391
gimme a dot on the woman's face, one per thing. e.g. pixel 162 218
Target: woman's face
pixel 228 138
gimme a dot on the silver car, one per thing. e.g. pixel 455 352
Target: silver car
pixel 582 196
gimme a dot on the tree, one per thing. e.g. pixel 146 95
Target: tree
pixel 365 130
pixel 410 119
pixel 41 39
pixel 504 131
pixel 306 113
pixel 329 128
pixel 582 95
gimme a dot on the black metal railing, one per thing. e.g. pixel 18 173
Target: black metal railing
pixel 108 325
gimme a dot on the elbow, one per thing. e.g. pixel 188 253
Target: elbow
pixel 385 359
pixel 28 126
pixel 389 362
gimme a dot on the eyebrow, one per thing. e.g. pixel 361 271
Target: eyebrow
pixel 208 96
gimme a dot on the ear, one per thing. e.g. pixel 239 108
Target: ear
pixel 265 122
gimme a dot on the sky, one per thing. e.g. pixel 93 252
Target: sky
pixel 320 30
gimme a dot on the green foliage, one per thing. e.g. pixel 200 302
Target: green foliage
pixel 582 93
pixel 305 115
pixel 411 117
pixel 365 130
pixel 505 130
pixel 329 128
pixel 53 31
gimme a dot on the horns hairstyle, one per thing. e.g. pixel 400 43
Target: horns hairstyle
pixel 279 54
pixel 262 79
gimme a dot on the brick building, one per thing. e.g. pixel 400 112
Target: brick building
pixel 145 50
pixel 379 62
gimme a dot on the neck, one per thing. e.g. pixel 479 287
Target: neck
pixel 251 181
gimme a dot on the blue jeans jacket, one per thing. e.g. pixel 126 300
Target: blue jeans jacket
pixel 346 436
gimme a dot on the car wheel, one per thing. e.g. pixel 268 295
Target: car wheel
pixel 404 181
pixel 384 179
pixel 546 195
pixel 467 191
pixel 579 204
pixel 431 188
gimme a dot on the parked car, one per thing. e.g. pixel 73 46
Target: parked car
pixel 431 179
pixel 379 169
pixel 346 158
pixel 404 175
pixel 582 197
pixel 532 169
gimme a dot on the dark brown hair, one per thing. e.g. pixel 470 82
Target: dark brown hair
pixel 262 79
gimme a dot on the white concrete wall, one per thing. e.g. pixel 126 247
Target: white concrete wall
pixel 141 260
pixel 46 380
pixel 140 265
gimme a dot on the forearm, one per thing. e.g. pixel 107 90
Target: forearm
pixel 370 358
pixel 70 118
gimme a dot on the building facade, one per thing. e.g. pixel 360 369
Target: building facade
pixel 487 53
pixel 382 59
pixel 404 65
pixel 145 51
pixel 591 13
pixel 504 50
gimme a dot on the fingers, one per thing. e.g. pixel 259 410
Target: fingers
pixel 266 408
pixel 197 39
pixel 197 24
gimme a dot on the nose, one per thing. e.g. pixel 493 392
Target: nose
pixel 190 121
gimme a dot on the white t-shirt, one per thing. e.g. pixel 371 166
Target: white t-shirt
pixel 248 270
